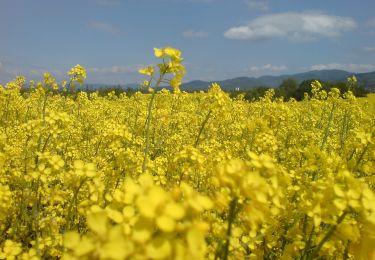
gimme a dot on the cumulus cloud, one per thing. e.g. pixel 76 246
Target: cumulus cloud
pixel 292 26
pixel 351 67
pixel 104 27
pixel 265 69
pixel 257 4
pixel 194 34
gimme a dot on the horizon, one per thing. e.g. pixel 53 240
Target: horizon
pixel 255 77
pixel 112 39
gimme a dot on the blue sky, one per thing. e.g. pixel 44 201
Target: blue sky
pixel 219 39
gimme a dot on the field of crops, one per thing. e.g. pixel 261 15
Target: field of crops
pixel 184 176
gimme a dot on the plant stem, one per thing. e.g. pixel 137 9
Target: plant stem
pixel 327 236
pixel 326 132
pixel 202 127
pixel 231 217
pixel 148 122
pixel 308 243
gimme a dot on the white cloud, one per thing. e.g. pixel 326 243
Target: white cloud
pixel 9 71
pixel 293 26
pixel 194 34
pixel 371 22
pixel 351 67
pixel 117 73
pixel 265 69
pixel 129 69
pixel 257 4
pixel 201 1
pixel 369 49
pixel 104 27
pixel 108 2
pixel 111 74
pixel 38 72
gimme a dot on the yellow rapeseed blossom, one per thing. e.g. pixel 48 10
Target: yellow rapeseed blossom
pixel 78 74
pixel 184 175
pixel 149 71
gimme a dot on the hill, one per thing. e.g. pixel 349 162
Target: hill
pixel 243 83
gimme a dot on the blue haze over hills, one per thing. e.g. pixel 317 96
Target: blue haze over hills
pixel 243 83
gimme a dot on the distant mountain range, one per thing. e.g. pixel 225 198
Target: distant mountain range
pixel 244 83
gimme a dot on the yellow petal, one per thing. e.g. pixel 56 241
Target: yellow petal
pixel 117 247
pixel 84 247
pixel 71 239
pixel 158 52
pixel 128 212
pixel 165 223
pixel 158 249
pixel 97 222
pixel 116 216
pixel 142 230
pixel 196 243
pixel 175 210
pixel 146 208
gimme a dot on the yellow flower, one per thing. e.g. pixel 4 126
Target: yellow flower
pixel 83 169
pixel 48 80
pixel 77 73
pixel 149 71
pixel 10 250
pixel 117 246
pixel 159 53
pixel 175 54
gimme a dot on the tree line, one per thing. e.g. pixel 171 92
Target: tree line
pixel 290 88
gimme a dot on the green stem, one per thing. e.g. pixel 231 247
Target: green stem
pixel 308 243
pixel 326 132
pixel 202 127
pixel 344 129
pixel 148 122
pixel 327 236
pixel 346 251
pixel 231 218
pixel 69 216
pixel 360 158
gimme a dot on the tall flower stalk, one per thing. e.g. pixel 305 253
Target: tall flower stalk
pixel 170 65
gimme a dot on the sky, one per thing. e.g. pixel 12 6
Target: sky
pixel 219 39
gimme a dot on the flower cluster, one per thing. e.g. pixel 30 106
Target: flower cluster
pixel 77 73
pixel 171 64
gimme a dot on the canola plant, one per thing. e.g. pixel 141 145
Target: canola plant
pixel 184 176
